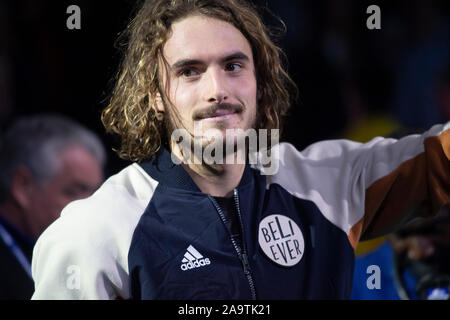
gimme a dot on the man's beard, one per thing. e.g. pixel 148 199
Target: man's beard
pixel 198 141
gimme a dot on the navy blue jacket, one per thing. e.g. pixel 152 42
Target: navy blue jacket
pixel 180 215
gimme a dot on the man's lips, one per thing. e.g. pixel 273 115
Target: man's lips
pixel 218 112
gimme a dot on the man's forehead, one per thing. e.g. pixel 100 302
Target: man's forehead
pixel 202 38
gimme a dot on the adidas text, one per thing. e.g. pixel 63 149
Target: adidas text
pixel 195 264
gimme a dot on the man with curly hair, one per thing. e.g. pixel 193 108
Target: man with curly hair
pixel 162 229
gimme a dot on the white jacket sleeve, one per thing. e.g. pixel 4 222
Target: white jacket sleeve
pixel 72 260
pixel 370 189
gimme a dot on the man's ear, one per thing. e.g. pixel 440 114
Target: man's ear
pixel 159 103
pixel 22 186
pixel 159 107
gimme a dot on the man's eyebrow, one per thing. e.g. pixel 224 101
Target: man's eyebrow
pixel 185 62
pixel 190 62
pixel 235 56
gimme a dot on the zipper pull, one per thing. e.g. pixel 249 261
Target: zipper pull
pixel 244 260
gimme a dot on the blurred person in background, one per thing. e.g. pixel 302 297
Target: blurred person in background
pixel 47 161
pixel 422 249
pixel 414 263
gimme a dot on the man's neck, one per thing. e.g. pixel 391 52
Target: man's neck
pixel 219 182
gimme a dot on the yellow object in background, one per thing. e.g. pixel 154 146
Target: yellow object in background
pixel 370 127
pixel 365 247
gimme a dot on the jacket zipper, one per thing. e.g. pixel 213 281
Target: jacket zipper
pixel 243 257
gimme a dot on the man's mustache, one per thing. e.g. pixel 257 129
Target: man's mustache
pixel 217 110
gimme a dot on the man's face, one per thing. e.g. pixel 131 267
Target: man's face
pixel 211 76
pixel 79 175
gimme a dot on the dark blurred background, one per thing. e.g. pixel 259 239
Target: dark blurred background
pixel 354 82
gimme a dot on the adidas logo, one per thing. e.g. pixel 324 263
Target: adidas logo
pixel 193 259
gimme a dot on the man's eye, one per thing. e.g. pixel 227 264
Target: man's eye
pixel 187 73
pixel 233 67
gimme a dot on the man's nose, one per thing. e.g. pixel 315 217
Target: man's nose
pixel 215 86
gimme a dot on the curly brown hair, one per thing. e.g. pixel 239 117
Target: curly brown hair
pixel 131 112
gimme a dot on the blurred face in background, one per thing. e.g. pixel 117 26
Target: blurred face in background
pixel 78 176
pixel 426 240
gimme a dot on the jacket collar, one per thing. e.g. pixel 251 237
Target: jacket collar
pixel 169 174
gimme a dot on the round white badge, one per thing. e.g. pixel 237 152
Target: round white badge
pixel 281 240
